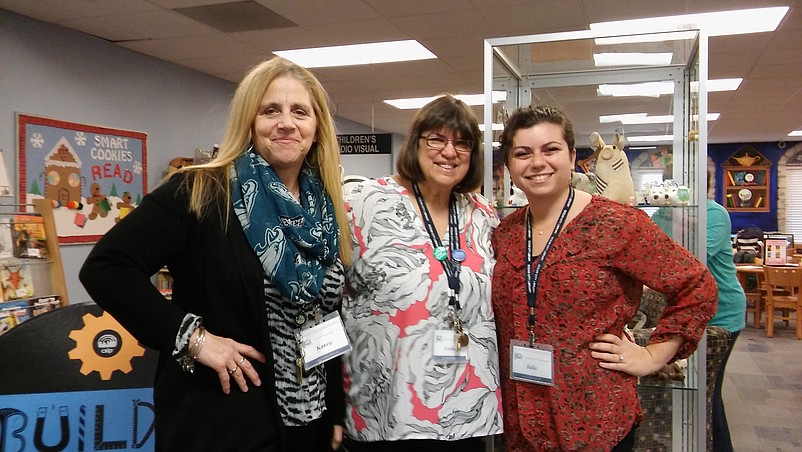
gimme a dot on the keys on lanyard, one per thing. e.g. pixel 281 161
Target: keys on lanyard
pixel 301 318
pixel 451 265
pixel 455 323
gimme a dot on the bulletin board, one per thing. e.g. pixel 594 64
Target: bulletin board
pixel 93 175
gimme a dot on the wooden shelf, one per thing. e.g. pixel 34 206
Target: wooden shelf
pixel 44 272
pixel 747 181
pixel 746 188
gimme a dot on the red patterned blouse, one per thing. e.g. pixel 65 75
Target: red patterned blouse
pixel 591 283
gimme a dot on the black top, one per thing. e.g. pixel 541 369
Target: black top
pixel 217 276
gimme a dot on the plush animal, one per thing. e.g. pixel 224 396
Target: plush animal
pixel 655 194
pixel 613 179
pixel 666 193
pixel 584 181
pixel 517 198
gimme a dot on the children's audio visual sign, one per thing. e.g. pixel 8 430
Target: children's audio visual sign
pixel 93 176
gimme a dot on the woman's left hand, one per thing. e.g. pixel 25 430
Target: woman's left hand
pixel 337 437
pixel 623 355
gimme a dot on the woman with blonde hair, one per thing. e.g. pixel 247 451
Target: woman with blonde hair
pixel 255 241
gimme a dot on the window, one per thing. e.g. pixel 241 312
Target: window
pixel 642 177
pixel 645 176
pixel 793 202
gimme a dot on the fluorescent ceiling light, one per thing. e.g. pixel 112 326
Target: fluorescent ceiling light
pixel 356 54
pixel 413 103
pixel 719 23
pixel 641 148
pixel 648 89
pixel 652 37
pixel 649 138
pixel 722 84
pixel 657 89
pixel 494 126
pixel 643 118
pixel 796 133
pixel 631 59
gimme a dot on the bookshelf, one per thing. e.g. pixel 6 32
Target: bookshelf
pixel 32 282
pixel 747 181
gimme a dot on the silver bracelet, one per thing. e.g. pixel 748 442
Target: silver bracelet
pixel 188 360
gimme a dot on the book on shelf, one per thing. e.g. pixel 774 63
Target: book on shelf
pixel 6 240
pixel 29 237
pixel 16 281
pixel 13 313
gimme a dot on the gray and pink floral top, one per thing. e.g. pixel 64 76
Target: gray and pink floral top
pixel 397 297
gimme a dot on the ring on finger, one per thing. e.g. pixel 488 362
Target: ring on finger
pixel 242 360
pixel 233 371
pixel 620 358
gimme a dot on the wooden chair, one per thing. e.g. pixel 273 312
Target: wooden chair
pixel 782 293
pixel 754 296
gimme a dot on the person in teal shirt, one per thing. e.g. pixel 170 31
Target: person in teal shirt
pixel 731 313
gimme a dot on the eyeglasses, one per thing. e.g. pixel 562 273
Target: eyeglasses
pixel 439 143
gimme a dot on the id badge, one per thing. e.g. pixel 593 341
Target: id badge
pixel 532 363
pixel 445 348
pixel 324 341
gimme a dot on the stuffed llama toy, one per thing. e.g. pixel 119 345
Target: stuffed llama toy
pixel 613 180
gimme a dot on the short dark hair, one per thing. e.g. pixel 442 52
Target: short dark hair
pixel 526 117
pixel 445 112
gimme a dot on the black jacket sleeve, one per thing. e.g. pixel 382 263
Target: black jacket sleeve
pixel 117 273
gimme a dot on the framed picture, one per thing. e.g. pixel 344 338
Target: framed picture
pixel 588 165
pixel 93 175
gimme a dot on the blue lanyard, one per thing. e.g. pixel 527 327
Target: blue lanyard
pixel 451 262
pixel 532 277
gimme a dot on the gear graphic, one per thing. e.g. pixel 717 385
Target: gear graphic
pixel 103 345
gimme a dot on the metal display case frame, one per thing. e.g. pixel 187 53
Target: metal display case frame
pixel 558 69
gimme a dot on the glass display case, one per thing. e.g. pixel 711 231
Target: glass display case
pixel 660 102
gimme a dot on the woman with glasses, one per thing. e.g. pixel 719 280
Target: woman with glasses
pixel 422 374
pixel 571 270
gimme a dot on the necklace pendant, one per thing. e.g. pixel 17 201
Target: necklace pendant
pixel 539 232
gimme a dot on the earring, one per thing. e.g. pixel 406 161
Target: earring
pixel 306 160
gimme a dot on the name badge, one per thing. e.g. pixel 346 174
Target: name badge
pixel 532 363
pixel 445 348
pixel 324 341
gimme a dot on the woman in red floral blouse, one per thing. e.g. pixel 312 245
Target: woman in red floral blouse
pixel 569 275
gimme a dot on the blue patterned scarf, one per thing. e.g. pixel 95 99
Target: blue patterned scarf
pixel 295 242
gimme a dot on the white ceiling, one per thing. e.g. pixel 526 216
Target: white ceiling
pixel 766 107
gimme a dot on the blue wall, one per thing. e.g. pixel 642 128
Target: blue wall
pixel 767 221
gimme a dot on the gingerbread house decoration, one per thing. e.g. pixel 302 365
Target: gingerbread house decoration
pixel 63 173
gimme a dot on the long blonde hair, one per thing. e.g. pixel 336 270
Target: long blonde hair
pixel 212 178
